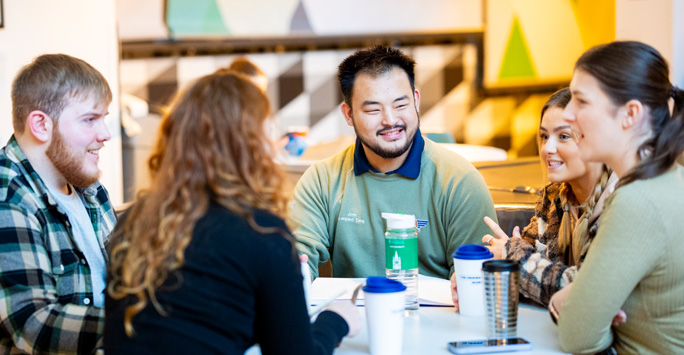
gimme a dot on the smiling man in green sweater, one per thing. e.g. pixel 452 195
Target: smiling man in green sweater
pixel 338 201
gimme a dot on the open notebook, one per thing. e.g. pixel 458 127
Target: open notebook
pixel 432 291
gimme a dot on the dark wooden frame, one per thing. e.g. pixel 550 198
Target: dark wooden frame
pixel 2 21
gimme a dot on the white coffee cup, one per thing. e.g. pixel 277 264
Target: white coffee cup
pixel 468 261
pixel 384 302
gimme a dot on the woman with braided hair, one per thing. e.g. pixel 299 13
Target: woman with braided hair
pixel 566 216
pixel 630 117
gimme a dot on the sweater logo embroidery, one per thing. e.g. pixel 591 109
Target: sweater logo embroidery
pixel 353 218
pixel 420 223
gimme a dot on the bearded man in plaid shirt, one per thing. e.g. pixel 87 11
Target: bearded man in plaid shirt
pixel 54 215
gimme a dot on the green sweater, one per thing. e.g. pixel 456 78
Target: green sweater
pixel 338 214
pixel 635 263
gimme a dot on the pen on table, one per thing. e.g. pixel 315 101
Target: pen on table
pixel 320 307
pixel 306 275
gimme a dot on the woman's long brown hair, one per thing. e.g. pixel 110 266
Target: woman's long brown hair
pixel 211 147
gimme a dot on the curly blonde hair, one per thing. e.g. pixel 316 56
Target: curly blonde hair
pixel 210 147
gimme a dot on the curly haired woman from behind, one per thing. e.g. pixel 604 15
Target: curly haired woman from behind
pixel 203 261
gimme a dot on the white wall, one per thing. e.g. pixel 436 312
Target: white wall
pixel 141 20
pixel 677 65
pixel 82 28
pixel 654 22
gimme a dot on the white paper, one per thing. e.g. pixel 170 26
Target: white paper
pixel 432 291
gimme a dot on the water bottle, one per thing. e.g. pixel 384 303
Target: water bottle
pixel 401 255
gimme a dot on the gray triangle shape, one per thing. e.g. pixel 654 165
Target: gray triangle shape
pixel 162 88
pixel 300 20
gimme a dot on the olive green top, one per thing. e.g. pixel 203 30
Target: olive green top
pixel 636 263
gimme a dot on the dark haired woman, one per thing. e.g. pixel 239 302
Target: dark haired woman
pixel 621 104
pixel 203 262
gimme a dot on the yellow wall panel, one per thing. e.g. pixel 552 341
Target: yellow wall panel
pixel 489 119
pixel 596 21
pixel 525 122
pixel 556 32
pixel 499 21
pixel 553 37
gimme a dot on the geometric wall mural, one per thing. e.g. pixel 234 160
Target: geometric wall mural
pixel 596 21
pixel 303 87
pixel 303 91
pixel 517 62
pixel 531 42
pixel 182 17
pixel 523 46
pixel 192 18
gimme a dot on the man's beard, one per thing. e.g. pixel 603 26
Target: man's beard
pixel 67 163
pixel 389 153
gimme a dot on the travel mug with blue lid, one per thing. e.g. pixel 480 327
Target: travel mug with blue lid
pixel 384 303
pixel 376 284
pixel 468 261
pixel 472 252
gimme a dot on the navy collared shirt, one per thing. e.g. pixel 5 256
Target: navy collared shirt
pixel 410 168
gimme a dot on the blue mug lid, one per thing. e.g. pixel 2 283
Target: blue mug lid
pixel 378 284
pixel 472 252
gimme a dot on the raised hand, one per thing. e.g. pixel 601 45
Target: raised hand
pixel 495 243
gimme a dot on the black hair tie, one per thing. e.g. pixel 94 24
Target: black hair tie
pixel 673 91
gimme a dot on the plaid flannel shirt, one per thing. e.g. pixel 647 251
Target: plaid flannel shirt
pixel 45 285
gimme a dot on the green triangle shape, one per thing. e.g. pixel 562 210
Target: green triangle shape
pixel 195 17
pixel 517 62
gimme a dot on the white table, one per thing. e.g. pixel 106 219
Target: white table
pixel 433 327
pixel 477 153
